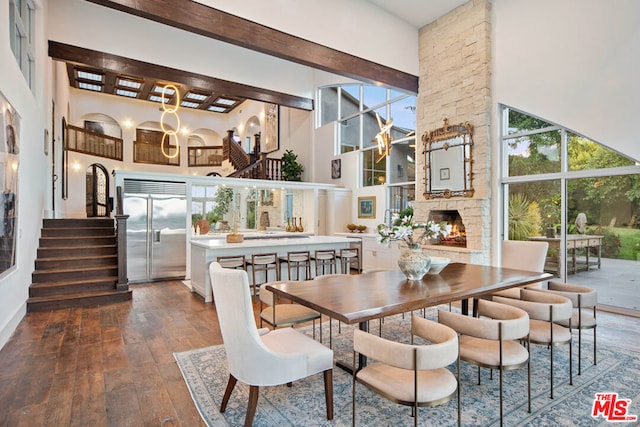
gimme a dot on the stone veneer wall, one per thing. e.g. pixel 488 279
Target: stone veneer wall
pixel 455 82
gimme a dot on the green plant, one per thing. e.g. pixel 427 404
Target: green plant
pixel 524 217
pixel 195 217
pixel 610 243
pixel 291 169
pixel 223 199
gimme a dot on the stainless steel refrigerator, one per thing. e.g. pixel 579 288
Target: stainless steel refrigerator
pixel 156 229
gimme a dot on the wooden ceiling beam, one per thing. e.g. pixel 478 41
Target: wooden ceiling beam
pixel 216 24
pixel 132 67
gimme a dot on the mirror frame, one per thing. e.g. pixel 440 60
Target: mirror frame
pixel 444 138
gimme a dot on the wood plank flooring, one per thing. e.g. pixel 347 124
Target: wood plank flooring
pixel 113 365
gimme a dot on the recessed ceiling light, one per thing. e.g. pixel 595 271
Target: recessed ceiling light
pixel 216 109
pixel 129 83
pixel 189 104
pixel 129 93
pixel 225 101
pixel 196 96
pixel 89 86
pixel 166 90
pixel 155 98
pixel 90 76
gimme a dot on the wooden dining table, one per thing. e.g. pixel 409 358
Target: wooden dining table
pixel 358 298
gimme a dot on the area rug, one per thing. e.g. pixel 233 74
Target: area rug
pixel 617 371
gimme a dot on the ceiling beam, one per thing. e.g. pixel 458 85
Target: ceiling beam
pixel 134 68
pixel 216 24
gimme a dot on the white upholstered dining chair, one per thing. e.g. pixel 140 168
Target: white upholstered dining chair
pixel 584 300
pixel 262 357
pixel 522 255
pixel 545 311
pixel 493 339
pixel 413 375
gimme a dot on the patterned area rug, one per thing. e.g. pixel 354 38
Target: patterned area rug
pixel 617 371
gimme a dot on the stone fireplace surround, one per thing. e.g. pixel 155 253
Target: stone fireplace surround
pixel 475 214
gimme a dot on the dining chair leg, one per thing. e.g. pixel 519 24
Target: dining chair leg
pixel 328 392
pixel 227 393
pixel 251 406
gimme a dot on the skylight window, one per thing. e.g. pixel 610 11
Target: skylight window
pixel 155 98
pixel 189 104
pixel 87 75
pixel 129 83
pixel 225 101
pixel 216 109
pixel 89 86
pixel 166 90
pixel 128 93
pixel 196 96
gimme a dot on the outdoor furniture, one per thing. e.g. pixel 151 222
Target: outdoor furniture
pixel 407 374
pixel 492 340
pixel 575 243
pixel 545 309
pixel 276 357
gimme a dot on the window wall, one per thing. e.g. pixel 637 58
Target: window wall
pixel 579 196
pixel 359 109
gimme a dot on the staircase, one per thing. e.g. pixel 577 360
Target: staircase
pixel 76 265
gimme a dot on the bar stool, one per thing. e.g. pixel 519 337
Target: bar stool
pixel 233 261
pixel 263 262
pixel 325 260
pixel 297 260
pixel 347 257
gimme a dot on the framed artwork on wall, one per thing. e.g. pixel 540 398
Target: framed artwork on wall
pixel 270 140
pixel 367 207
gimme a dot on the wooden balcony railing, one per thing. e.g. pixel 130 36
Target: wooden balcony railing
pixel 93 143
pixel 206 156
pixel 265 168
pixel 144 152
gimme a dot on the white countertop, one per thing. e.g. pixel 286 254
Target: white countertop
pixel 290 239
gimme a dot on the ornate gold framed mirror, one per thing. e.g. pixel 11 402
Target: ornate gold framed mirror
pixel 447 151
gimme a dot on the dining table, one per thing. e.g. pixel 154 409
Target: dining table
pixel 359 298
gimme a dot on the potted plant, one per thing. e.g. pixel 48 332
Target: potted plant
pixel 291 169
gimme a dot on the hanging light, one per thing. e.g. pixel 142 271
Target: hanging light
pixel 383 138
pixel 168 109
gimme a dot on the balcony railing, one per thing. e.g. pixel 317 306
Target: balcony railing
pixel 144 152
pixel 93 143
pixel 206 156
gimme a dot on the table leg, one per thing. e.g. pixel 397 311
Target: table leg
pixel 362 359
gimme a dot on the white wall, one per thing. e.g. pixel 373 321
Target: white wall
pixel 573 62
pixel 355 26
pixel 35 113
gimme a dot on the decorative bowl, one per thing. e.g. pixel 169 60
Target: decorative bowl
pixel 361 228
pixel 438 264
pixel 352 227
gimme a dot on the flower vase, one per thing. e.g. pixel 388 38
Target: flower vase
pixel 413 261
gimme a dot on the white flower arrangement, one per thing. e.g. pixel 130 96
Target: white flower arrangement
pixel 405 229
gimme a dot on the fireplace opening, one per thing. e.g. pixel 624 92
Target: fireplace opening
pixel 458 235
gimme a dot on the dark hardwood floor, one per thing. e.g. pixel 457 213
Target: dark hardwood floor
pixel 113 365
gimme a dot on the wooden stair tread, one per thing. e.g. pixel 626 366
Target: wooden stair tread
pixel 90 281
pixel 63 258
pixel 78 295
pixel 74 269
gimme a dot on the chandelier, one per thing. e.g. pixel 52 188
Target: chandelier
pixel 383 138
pixel 171 110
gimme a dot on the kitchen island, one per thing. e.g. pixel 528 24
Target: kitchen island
pixel 204 251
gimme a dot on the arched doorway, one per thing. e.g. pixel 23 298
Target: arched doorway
pixel 97 191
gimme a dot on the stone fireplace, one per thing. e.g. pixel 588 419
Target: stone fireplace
pixel 458 236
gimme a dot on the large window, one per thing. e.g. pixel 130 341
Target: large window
pixel 579 196
pixel 359 109
pixel 21 34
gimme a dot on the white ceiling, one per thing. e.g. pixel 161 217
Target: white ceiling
pixel 418 12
